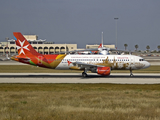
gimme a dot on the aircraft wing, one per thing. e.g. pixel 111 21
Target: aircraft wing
pixel 85 65
pixel 94 49
pixel 99 49
pixel 111 49
pixel 74 51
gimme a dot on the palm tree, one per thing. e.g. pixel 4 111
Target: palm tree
pixel 147 47
pixel 125 45
pixel 136 46
pixel 158 48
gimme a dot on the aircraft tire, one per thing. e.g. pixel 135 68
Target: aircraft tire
pixel 84 74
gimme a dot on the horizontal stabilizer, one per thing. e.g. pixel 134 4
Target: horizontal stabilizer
pixel 22 58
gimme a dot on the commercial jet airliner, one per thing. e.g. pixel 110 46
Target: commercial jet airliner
pixel 96 63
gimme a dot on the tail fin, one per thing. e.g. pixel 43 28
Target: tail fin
pixel 23 46
pixel 100 45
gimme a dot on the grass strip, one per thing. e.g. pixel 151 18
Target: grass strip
pixel 79 102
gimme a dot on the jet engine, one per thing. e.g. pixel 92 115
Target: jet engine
pixel 104 51
pixel 105 71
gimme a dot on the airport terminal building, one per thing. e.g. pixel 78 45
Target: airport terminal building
pixel 41 46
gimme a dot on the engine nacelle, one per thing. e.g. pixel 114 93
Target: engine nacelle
pixel 104 51
pixel 105 71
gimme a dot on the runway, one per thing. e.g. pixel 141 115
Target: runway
pixel 116 78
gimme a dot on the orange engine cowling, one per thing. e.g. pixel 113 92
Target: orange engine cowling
pixel 103 71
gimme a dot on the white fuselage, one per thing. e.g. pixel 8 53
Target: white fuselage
pixel 116 62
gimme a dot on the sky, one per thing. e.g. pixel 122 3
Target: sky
pixel 81 22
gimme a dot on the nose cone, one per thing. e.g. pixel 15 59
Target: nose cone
pixel 147 64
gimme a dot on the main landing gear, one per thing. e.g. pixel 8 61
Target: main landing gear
pixel 131 73
pixel 84 74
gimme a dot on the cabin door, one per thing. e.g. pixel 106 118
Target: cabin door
pixel 39 60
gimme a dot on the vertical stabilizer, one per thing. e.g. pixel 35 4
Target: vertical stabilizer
pixel 23 46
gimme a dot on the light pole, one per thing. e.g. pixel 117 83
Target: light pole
pixel 116 19
pixel 7 38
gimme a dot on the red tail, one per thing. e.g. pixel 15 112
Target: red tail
pixel 23 46
pixel 100 45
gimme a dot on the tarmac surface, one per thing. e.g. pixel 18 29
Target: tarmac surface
pixel 116 78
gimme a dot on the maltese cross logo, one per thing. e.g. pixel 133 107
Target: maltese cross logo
pixel 22 47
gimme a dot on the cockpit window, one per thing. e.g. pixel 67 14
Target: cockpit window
pixel 141 59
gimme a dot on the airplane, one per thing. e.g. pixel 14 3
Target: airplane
pixel 105 50
pixel 90 52
pixel 100 50
pixel 96 63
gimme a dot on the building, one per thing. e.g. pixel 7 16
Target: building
pixel 39 45
pixel 42 46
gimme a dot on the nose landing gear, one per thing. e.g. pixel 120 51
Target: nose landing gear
pixel 131 73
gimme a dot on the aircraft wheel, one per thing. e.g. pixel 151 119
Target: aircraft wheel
pixel 84 74
pixel 131 75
